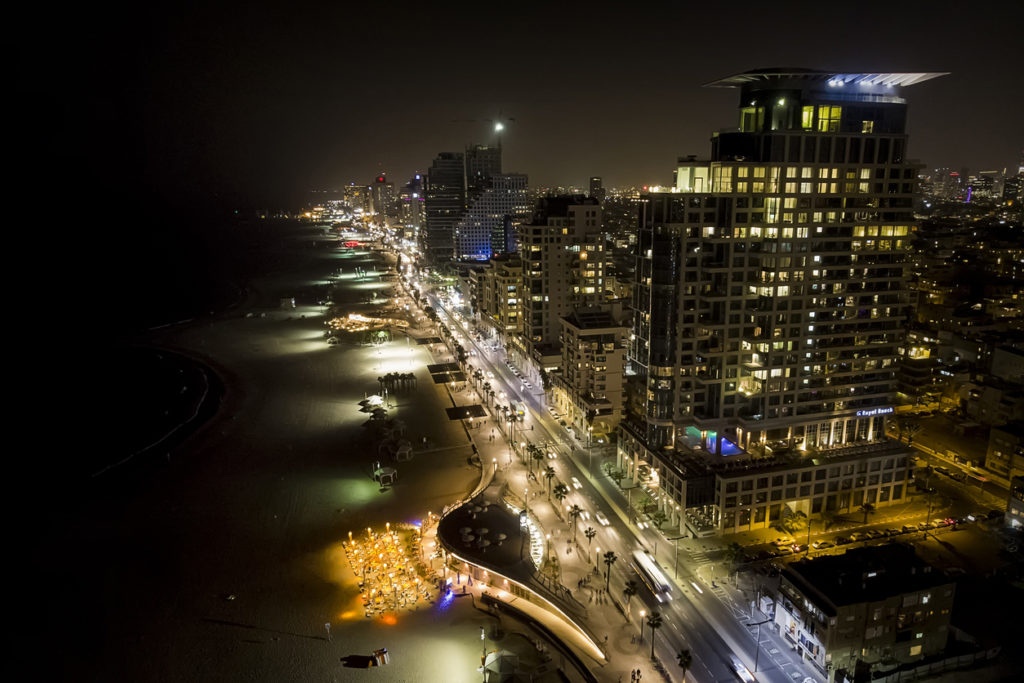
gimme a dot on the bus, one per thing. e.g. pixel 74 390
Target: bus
pixel 647 567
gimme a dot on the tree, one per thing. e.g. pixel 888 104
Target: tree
pixel 659 517
pixel 560 491
pixel 733 555
pixel 549 474
pixel 911 430
pixel 828 518
pixel 617 476
pixel 538 455
pixel 685 659
pixel 654 620
pixel 545 380
pixel 610 558
pixel 574 512
pixel 629 591
pixel 867 509
pixel 589 532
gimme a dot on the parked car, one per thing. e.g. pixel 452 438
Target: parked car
pixel 858 536
pixel 873 533
pixel 843 540
pixel 924 526
pixel 908 528
pixel 784 550
pixel 893 532
pixel 782 541
pixel 821 545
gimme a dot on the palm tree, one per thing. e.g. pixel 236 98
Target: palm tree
pixel 654 620
pixel 560 491
pixel 574 512
pixel 685 659
pixel 867 509
pixel 549 474
pixel 609 559
pixel 589 532
pixel 629 591
pixel 538 455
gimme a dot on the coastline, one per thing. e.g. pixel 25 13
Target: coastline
pixel 253 503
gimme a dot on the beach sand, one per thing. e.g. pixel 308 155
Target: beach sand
pixel 222 562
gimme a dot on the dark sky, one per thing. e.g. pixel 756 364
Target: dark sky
pixel 256 103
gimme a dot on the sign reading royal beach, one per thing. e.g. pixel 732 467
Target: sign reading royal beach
pixel 875 411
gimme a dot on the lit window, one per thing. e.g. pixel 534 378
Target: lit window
pixel 867 126
pixel 828 118
pixel 807 118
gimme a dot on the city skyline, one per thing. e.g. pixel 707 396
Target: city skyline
pixel 259 107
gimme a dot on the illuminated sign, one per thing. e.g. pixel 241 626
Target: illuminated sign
pixel 875 411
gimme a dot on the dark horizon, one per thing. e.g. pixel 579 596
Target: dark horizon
pixel 256 107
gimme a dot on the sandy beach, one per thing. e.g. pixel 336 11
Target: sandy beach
pixel 222 561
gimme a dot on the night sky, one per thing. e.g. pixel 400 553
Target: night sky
pixel 256 103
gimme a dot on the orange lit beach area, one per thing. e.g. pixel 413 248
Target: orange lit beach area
pixel 389 568
pixel 354 322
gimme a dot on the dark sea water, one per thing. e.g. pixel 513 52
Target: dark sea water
pixel 176 274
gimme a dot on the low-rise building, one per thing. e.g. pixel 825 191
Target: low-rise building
pixel 589 390
pixel 879 604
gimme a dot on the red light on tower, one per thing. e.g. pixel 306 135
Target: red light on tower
pixel 380 179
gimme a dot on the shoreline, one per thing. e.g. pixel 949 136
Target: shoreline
pixel 254 503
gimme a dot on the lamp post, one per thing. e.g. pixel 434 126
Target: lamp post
pixel 676 540
pixel 757 651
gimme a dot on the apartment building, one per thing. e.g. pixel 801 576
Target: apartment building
pixel 770 300
pixel 852 611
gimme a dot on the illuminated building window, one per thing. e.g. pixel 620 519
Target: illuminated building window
pixel 867 126
pixel 807 117
pixel 828 118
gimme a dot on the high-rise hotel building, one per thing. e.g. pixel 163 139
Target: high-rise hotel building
pixel 770 304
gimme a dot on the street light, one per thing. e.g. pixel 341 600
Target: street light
pixel 757 650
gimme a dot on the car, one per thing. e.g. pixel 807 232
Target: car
pixel 782 541
pixel 843 540
pixel 490 375
pixel 995 514
pixel 576 483
pixel 821 545
pixel 741 670
pixel 784 550
pixel 857 536
pixel 907 528
pixel 873 533
pixel 924 526
pixel 892 532
pixel 331 341
pixel 599 516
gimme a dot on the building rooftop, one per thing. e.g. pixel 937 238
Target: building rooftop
pixel 591 319
pixel 868 574
pixel 833 78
